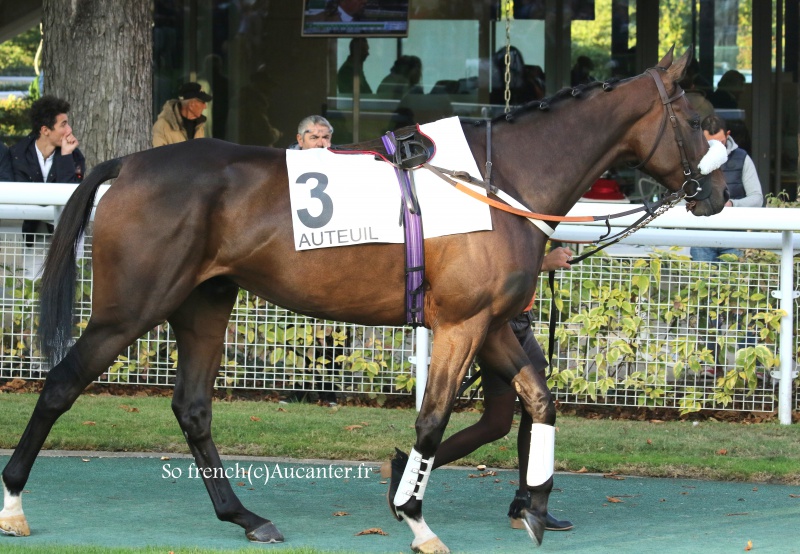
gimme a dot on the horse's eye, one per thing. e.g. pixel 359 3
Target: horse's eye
pixel 695 122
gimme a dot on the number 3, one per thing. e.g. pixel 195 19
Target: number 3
pixel 310 221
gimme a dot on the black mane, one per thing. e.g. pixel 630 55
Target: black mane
pixel 544 103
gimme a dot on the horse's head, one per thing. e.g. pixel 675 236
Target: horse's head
pixel 671 145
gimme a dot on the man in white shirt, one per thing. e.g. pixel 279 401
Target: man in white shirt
pixel 49 154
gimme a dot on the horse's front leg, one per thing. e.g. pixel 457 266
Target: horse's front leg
pixel 452 354
pixel 503 354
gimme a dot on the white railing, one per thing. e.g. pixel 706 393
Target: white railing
pixel 720 230
pixel 775 229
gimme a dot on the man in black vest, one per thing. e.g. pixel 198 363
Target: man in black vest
pixel 740 176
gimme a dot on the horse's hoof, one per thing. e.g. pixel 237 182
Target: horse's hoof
pixel 431 546
pixel 534 525
pixel 266 532
pixel 16 526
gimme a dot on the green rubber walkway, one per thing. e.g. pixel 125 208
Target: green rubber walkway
pixel 105 500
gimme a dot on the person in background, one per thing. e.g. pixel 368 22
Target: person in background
pixel 344 77
pixel 313 131
pixel 182 119
pixel 581 71
pixel 49 154
pixel 341 10
pixel 740 176
pixel 6 170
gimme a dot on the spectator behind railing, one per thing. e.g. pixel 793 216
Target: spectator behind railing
pixel 182 119
pixel 6 171
pixel 313 131
pixel 740 176
pixel 49 154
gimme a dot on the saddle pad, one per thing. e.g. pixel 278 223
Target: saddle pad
pixel 345 199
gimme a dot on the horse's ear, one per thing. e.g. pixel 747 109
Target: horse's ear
pixel 666 61
pixel 677 70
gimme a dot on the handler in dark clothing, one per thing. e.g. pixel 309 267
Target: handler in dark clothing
pixel 6 171
pixel 50 153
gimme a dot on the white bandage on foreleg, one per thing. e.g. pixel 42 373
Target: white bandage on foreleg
pixel 12 505
pixel 541 458
pixel 415 478
pixel 716 156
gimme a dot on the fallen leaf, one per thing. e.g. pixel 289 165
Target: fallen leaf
pixel 165 457
pixel 254 418
pixel 480 467
pixel 749 546
pixel 239 484
pixel 722 452
pixel 89 423
pixel 280 410
pixel 485 474
pixel 656 421
pixel 372 531
pixel 614 499
pixel 613 476
pixel 503 448
pixel 340 514
pixel 794 496
pixel 755 489
pixel 649 441
pixel 85 460
pixel 129 409
pixel 581 470
pixel 353 427
pixel 14 384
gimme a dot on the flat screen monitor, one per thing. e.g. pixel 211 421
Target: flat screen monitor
pixel 355 18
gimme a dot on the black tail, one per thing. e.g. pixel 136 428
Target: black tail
pixel 57 289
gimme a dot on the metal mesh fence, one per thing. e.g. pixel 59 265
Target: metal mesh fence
pixel 659 331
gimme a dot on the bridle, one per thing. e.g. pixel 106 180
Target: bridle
pixel 690 183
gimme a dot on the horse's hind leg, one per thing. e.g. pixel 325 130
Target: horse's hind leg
pixel 452 354
pixel 199 325
pixel 502 353
pixel 91 355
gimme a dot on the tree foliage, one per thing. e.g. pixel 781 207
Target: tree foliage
pixel 16 55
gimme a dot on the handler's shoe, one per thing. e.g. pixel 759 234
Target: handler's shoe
pixel 522 500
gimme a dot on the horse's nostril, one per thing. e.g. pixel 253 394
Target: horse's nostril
pixel 726 194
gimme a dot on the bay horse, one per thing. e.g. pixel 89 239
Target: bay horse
pixel 184 226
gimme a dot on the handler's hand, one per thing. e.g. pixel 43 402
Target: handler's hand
pixel 558 258
pixel 68 144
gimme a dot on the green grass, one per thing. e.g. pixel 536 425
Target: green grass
pixel 764 452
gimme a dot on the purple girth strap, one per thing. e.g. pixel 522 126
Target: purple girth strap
pixel 415 251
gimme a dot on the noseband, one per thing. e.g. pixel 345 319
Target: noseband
pixel 690 183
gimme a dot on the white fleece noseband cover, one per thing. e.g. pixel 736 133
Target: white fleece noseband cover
pixel 415 478
pixel 716 156
pixel 541 459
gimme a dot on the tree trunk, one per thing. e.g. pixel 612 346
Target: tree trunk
pixel 98 57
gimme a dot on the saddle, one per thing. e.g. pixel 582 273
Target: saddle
pixel 411 150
